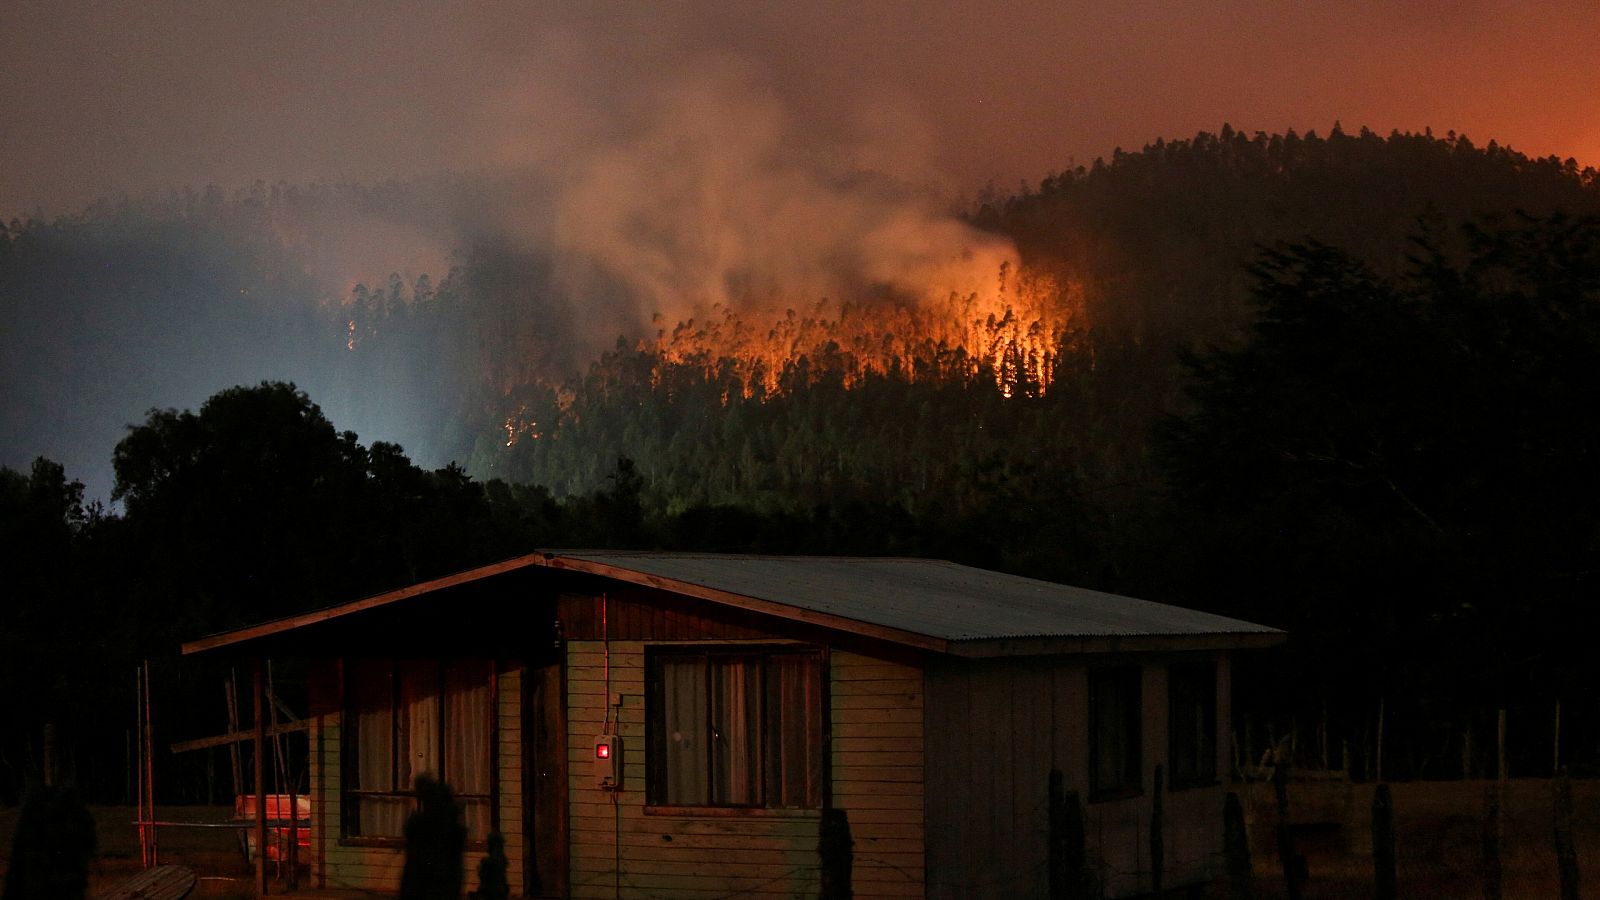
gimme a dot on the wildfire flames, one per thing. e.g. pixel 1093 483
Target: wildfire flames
pixel 1012 333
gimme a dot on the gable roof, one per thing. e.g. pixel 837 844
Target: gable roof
pixel 930 604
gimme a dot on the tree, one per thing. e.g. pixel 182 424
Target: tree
pixel 1396 469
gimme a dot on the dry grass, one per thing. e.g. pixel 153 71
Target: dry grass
pixel 213 853
pixel 1439 842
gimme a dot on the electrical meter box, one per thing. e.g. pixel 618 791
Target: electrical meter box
pixel 608 762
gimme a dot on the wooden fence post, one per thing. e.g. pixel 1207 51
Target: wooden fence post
pixel 1379 754
pixel 1236 849
pixel 1555 743
pixel 1566 848
pixel 1383 851
pixel 1286 850
pixel 1492 872
pixel 1158 846
pixel 1504 771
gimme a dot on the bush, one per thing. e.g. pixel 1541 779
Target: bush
pixel 54 843
pixel 435 842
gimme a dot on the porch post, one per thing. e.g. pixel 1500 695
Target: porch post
pixel 260 785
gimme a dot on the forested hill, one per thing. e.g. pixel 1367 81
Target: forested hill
pixel 1162 235
pixel 1157 243
pixel 458 339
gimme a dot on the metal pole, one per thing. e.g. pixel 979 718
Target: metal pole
pixel 150 766
pixel 138 725
pixel 260 773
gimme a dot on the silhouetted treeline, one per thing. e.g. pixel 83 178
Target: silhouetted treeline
pixel 251 508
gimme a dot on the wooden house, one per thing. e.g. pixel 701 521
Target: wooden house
pixel 737 698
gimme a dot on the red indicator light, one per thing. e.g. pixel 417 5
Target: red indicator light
pixel 602 751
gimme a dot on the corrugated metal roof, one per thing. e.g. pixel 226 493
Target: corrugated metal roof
pixel 922 603
pixel 929 597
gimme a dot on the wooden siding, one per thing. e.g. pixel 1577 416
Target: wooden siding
pixel 876 721
pixel 618 848
pixel 996 728
pixel 337 864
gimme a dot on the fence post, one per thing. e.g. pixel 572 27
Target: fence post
pixel 1566 849
pixel 1383 852
pixel 1379 754
pixel 1555 742
pixel 1492 872
pixel 1286 850
pixel 1236 847
pixel 1157 841
pixel 1504 771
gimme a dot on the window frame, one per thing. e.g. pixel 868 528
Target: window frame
pixel 655 719
pixel 349 752
pixel 1131 676
pixel 1188 672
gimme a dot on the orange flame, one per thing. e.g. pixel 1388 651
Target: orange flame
pixel 1014 331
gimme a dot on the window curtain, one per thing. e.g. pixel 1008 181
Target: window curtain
pixel 794 722
pixel 418 710
pixel 687 766
pixel 736 731
pixel 371 699
pixel 467 732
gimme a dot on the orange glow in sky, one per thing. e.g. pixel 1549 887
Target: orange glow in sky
pixel 103 98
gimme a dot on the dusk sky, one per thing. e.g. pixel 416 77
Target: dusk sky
pixel 101 98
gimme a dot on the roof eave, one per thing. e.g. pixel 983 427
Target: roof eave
pixel 983 648
pixel 289 623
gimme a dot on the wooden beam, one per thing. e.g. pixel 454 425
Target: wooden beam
pixel 266 629
pixel 239 737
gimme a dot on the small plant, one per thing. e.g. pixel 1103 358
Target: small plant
pixel 435 841
pixel 492 883
pixel 1236 849
pixel 1068 851
pixel 54 843
pixel 837 851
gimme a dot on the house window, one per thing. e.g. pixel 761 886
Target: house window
pixel 1192 723
pixel 1114 720
pixel 406 718
pixel 739 727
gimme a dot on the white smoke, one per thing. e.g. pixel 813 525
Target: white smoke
pixel 703 190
